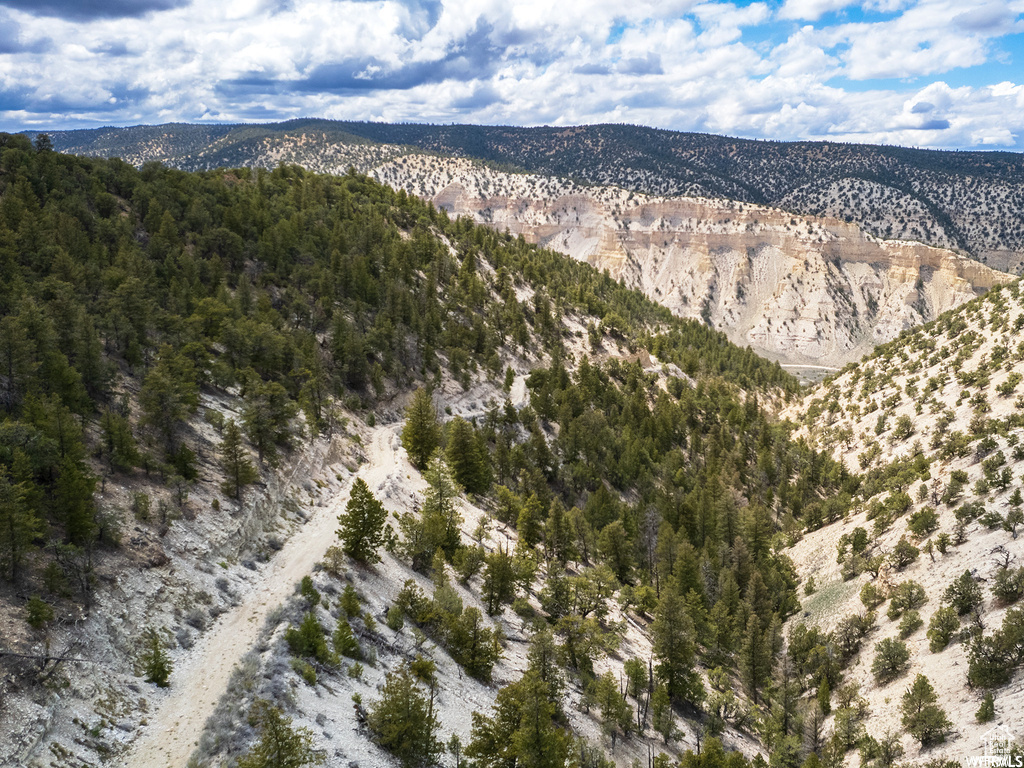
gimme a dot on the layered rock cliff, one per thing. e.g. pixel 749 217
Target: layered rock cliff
pixel 804 290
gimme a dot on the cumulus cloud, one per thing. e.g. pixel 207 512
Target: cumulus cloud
pixel 810 10
pixel 739 69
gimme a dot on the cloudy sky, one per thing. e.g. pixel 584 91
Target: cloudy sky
pixel 929 73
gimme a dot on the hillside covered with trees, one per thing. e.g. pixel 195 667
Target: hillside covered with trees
pixel 967 201
pixel 131 297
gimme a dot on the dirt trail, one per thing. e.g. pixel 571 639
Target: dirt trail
pixel 197 684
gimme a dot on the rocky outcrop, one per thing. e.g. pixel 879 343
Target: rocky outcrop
pixel 804 290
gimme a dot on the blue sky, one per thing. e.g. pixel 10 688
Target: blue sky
pixel 928 73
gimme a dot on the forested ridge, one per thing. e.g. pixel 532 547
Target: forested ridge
pixel 127 293
pixel 969 201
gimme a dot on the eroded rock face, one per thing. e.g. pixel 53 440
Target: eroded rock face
pixel 799 289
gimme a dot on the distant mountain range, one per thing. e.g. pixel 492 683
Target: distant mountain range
pixel 972 202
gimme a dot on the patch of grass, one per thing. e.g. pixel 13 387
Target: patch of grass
pixel 828 599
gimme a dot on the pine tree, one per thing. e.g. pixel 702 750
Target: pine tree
pixel 467 457
pixel 441 518
pixel 529 522
pixel 362 528
pixel 672 632
pixel 922 717
pixel 38 612
pixel 169 395
pixel 75 501
pixel 280 745
pixel 118 441
pixel 891 659
pixel 155 663
pixel 520 730
pixel 267 417
pixel 987 711
pixel 403 721
pixel 239 471
pixel 499 585
pixel 616 714
pixel 345 642
pixel 421 434
pixel 19 526
pixel 558 536
pixel 662 717
pixel 755 659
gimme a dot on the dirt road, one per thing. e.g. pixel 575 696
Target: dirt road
pixel 197 684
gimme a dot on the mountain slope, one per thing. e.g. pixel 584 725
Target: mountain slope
pixel 971 201
pixel 804 290
pixel 163 331
pixel 815 291
pixel 935 420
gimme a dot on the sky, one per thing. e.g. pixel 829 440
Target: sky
pixel 923 73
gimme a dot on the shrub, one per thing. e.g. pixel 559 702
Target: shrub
pixel 923 522
pixel 922 717
pixel 891 659
pixel 1009 585
pixel 963 594
pixel 910 623
pixel 903 554
pixel 987 711
pixel 155 663
pixel 871 596
pixel 943 625
pixel 304 670
pixel 905 596
pixel 38 612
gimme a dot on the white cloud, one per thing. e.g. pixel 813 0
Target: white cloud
pixel 687 65
pixel 811 10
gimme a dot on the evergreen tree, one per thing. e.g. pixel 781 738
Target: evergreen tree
pixel 922 717
pixel 169 395
pixel 118 441
pixel 755 658
pixel 521 730
pixel 616 714
pixel 672 632
pixel 499 585
pixel 308 640
pixel 528 524
pixel 441 518
pixel 267 417
pixel 467 457
pixel 891 658
pixel 74 490
pixel 362 528
pixel 403 721
pixel 17 361
pixel 558 536
pixel 155 663
pixel 662 717
pixel 421 434
pixel 280 745
pixel 38 613
pixel 987 711
pixel 239 471
pixel 345 643
pixel 19 526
